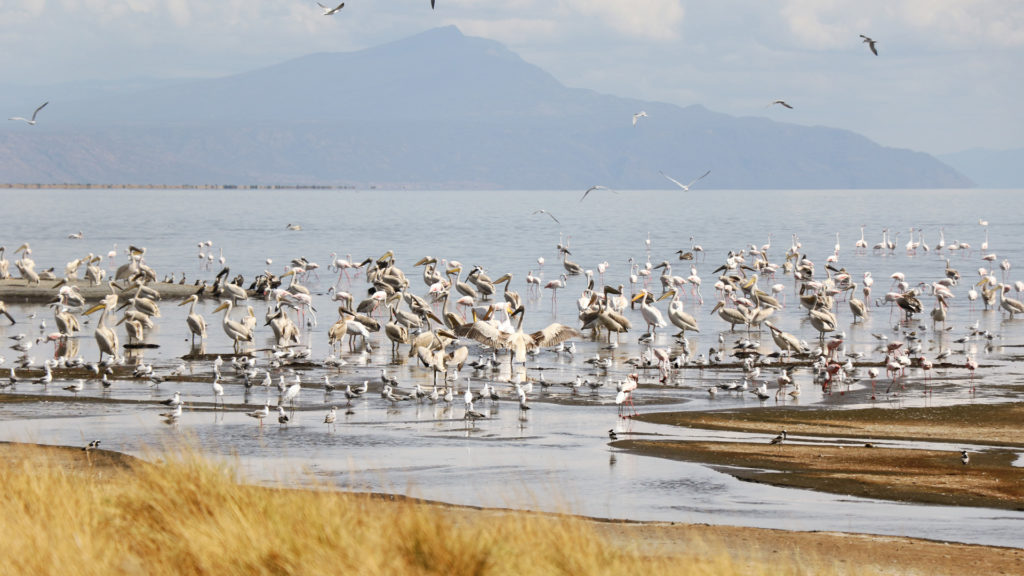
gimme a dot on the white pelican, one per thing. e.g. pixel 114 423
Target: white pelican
pixel 733 316
pixel 652 316
pixel 519 343
pixel 235 330
pixel 31 121
pixel 330 11
pixel 685 187
pixel 196 323
pixel 1011 305
pixel 106 337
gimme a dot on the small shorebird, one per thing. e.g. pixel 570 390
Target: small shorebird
pixel 31 121
pixel 95 444
pixel 778 439
pixel 260 414
pixel 612 435
pixel 964 457
pixel 331 417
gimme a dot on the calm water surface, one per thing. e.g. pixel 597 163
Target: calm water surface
pixel 556 456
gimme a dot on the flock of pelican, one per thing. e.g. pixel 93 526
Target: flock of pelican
pixel 487 318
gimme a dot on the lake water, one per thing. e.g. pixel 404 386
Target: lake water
pixel 556 455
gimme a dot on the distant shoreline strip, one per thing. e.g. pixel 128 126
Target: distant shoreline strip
pixel 177 186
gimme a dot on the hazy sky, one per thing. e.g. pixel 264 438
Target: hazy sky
pixel 948 75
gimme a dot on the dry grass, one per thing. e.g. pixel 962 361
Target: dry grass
pixel 191 515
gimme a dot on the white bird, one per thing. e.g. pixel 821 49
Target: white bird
pixel 259 414
pixel 31 121
pixel 331 11
pixel 218 392
pixel 595 187
pixel 638 116
pixel 685 187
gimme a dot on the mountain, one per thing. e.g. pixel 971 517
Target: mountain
pixel 990 168
pixel 435 110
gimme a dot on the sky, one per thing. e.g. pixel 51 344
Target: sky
pixel 948 76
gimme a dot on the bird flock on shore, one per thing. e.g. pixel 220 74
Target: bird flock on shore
pixel 455 317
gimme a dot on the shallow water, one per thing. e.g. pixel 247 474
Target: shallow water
pixel 555 456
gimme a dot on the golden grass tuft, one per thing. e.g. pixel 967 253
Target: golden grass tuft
pixel 189 514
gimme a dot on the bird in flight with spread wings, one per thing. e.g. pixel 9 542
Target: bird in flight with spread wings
pixel 31 121
pixel 685 187
pixel 871 44
pixel 331 11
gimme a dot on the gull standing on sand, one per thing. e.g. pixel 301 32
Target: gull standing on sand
pixel 331 11
pixel 685 187
pixel 31 121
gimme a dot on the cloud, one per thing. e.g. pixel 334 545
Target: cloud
pixel 510 31
pixel 651 19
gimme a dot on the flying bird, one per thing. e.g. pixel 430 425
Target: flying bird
pixel 597 187
pixel 638 116
pixel 543 211
pixel 871 44
pixel 783 102
pixel 330 11
pixel 31 121
pixel 685 187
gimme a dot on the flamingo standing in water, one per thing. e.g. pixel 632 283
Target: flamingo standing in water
pixel 861 244
pixel 554 286
pixel 625 394
pixel 972 365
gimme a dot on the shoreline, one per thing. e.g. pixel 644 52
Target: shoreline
pixel 816 457
pixel 751 548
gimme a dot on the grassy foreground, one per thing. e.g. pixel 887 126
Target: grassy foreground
pixel 69 512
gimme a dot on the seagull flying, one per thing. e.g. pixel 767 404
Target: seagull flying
pixel 330 11
pixel 685 187
pixel 783 102
pixel 543 211
pixel 638 116
pixel 871 44
pixel 597 187
pixel 31 121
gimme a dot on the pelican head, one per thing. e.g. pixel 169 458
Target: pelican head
pixel 721 304
pixel 667 294
pixel 426 260
pixel 192 298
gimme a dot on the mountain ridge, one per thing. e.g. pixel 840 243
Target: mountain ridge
pixel 435 110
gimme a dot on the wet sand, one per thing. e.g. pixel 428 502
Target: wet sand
pixel 857 467
pixel 755 548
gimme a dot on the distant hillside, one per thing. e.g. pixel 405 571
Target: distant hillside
pixel 990 168
pixel 435 110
